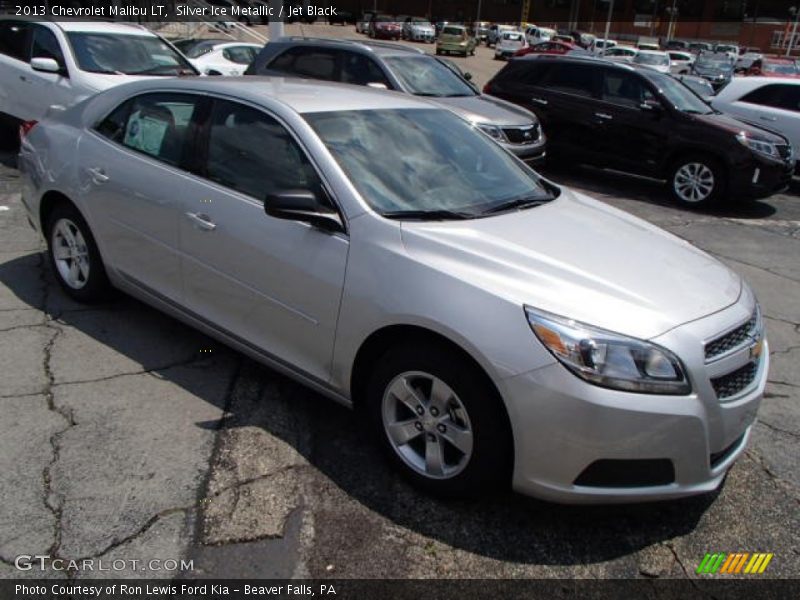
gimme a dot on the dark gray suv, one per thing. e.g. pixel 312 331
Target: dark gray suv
pixel 409 70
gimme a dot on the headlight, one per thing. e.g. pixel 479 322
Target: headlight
pixel 766 148
pixel 492 131
pixel 609 359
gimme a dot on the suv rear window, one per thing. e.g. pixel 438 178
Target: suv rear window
pixel 13 39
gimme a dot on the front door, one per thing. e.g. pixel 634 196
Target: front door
pixel 272 283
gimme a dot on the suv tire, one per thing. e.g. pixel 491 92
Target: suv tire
pixel 697 180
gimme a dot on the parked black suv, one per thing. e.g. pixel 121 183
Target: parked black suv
pixel 404 69
pixel 644 122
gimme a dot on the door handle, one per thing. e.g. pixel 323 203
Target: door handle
pixel 604 116
pixel 766 118
pixel 98 175
pixel 540 101
pixel 201 221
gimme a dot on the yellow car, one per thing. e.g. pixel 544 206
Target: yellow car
pixel 455 39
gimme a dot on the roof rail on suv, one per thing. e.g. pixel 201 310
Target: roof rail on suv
pixel 390 45
pixel 350 41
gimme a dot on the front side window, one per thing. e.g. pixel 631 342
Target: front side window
pixel 625 89
pixel 436 162
pixel 426 76
pixel 14 39
pixel 250 152
pixel 116 54
pixel 45 45
pixel 676 94
pixel 361 70
pixel 154 124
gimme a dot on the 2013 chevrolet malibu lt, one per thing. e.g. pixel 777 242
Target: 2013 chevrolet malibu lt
pixel 495 327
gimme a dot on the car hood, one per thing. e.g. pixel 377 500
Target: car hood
pixel 734 125
pixel 487 109
pixel 581 259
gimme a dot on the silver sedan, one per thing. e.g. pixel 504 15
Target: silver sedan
pixel 497 329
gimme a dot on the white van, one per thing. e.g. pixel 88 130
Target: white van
pixel 535 34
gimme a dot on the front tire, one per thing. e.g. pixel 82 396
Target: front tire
pixel 74 257
pixel 697 181
pixel 439 421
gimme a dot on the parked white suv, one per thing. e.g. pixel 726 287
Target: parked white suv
pixel 60 63
pixel 771 102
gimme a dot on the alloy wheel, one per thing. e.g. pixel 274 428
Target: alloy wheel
pixel 693 182
pixel 427 425
pixel 70 253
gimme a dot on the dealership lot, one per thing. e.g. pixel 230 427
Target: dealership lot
pixel 127 435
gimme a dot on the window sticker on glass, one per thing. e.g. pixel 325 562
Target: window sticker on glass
pixel 145 133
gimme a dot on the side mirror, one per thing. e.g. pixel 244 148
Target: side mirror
pixel 652 106
pixel 46 65
pixel 302 205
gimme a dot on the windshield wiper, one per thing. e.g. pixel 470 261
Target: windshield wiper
pixel 428 215
pixel 519 203
pixel 157 69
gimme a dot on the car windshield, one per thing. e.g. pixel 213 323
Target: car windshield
pixel 701 87
pixel 126 55
pixel 786 68
pixel 513 37
pixel 677 94
pixel 651 59
pixel 426 76
pixel 437 164
pixel 722 64
pixel 453 31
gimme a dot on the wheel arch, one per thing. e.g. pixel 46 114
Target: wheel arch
pixel 690 149
pixel 49 201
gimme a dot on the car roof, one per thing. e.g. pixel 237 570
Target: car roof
pixel 300 95
pixel 374 47
pixel 652 52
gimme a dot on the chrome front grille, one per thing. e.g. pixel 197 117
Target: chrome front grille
pixel 735 381
pixel 744 334
pixel 785 151
pixel 522 135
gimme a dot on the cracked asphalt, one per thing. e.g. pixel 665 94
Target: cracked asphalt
pixel 127 435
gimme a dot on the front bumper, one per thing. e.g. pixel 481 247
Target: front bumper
pixel 760 177
pixel 419 36
pixel 564 427
pixel 532 153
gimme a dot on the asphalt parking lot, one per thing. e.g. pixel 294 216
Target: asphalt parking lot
pixel 127 435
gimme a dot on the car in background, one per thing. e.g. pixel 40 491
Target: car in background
pixel 362 25
pixel 653 59
pixel 600 45
pixel 680 62
pixel 621 53
pixel 535 34
pixel 731 50
pixel 195 47
pixel 717 68
pixel 419 29
pixel 495 30
pixel 698 85
pixel 455 39
pixel 583 38
pixel 509 44
pixel 745 61
pixel 408 70
pixel 230 58
pixel 63 62
pixel 384 27
pixel 768 101
pixel 564 37
pixel 677 45
pixel 637 120
pixel 559 48
pixel 481 31
pixel 699 47
pixel 771 66
pixel 648 46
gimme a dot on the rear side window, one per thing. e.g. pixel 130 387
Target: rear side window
pixel 45 45
pixel 315 63
pixel 775 95
pixel 241 55
pixel 153 124
pixel 250 152
pixel 570 78
pixel 14 39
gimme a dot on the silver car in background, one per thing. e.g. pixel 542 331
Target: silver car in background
pixel 495 328
pixel 419 29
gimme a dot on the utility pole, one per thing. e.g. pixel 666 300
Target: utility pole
pixel 275 23
pixel 478 18
pixel 795 12
pixel 608 26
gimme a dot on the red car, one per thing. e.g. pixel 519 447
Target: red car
pixel 547 48
pixel 384 27
pixel 770 66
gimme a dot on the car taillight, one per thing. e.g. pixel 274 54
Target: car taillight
pixel 487 89
pixel 25 128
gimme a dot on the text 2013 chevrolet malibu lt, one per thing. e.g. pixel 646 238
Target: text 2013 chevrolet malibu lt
pixel 495 327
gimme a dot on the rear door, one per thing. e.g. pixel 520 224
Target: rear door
pixel 133 176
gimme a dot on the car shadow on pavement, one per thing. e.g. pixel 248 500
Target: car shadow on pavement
pixel 599 183
pixel 333 440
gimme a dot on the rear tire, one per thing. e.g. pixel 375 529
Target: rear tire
pixel 697 180
pixel 439 421
pixel 74 256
